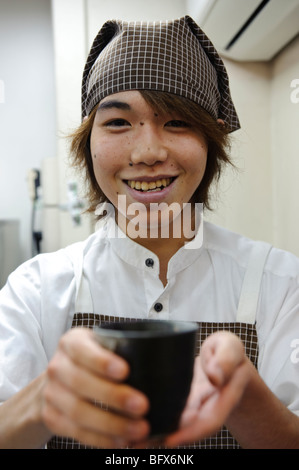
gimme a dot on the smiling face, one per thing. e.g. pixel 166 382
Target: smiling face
pixel 168 154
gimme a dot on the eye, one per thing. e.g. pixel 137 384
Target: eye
pixel 117 123
pixel 177 123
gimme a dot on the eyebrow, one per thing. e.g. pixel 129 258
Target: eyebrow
pixel 114 104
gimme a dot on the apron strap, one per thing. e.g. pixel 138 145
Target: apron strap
pixel 83 299
pixel 252 283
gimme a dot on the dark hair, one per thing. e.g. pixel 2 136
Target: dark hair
pixel 215 134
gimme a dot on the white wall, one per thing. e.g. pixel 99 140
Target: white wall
pixel 243 200
pixel 133 10
pixel 69 30
pixel 27 116
pixel 285 147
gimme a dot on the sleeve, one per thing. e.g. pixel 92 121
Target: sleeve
pixel 36 309
pixel 22 356
pixel 279 353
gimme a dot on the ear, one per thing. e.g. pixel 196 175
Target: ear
pixel 220 121
pixel 85 119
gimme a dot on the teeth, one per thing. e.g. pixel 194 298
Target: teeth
pixel 149 186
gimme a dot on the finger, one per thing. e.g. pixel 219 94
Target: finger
pixel 72 416
pixel 213 413
pixel 201 387
pixel 62 426
pixel 79 344
pixel 85 384
pixel 221 354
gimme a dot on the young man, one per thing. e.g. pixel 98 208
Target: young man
pixel 156 112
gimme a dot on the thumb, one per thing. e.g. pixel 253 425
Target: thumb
pixel 221 354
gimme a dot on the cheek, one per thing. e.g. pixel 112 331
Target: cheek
pixel 104 159
pixel 196 159
pixel 108 154
pixel 202 153
pixel 104 171
pixel 203 159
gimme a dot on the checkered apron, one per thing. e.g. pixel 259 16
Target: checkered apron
pixel 244 328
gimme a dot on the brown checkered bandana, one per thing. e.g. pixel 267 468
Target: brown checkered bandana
pixel 171 56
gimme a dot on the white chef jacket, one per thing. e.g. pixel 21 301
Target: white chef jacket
pixel 203 284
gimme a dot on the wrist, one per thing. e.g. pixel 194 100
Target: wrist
pixel 21 423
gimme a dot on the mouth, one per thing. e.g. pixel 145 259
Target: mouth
pixel 150 186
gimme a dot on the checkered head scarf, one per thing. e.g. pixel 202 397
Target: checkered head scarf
pixel 171 56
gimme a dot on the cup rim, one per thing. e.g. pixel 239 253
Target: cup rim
pixel 177 327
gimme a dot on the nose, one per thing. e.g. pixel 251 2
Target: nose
pixel 149 148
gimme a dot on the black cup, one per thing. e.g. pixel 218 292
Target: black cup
pixel 161 358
